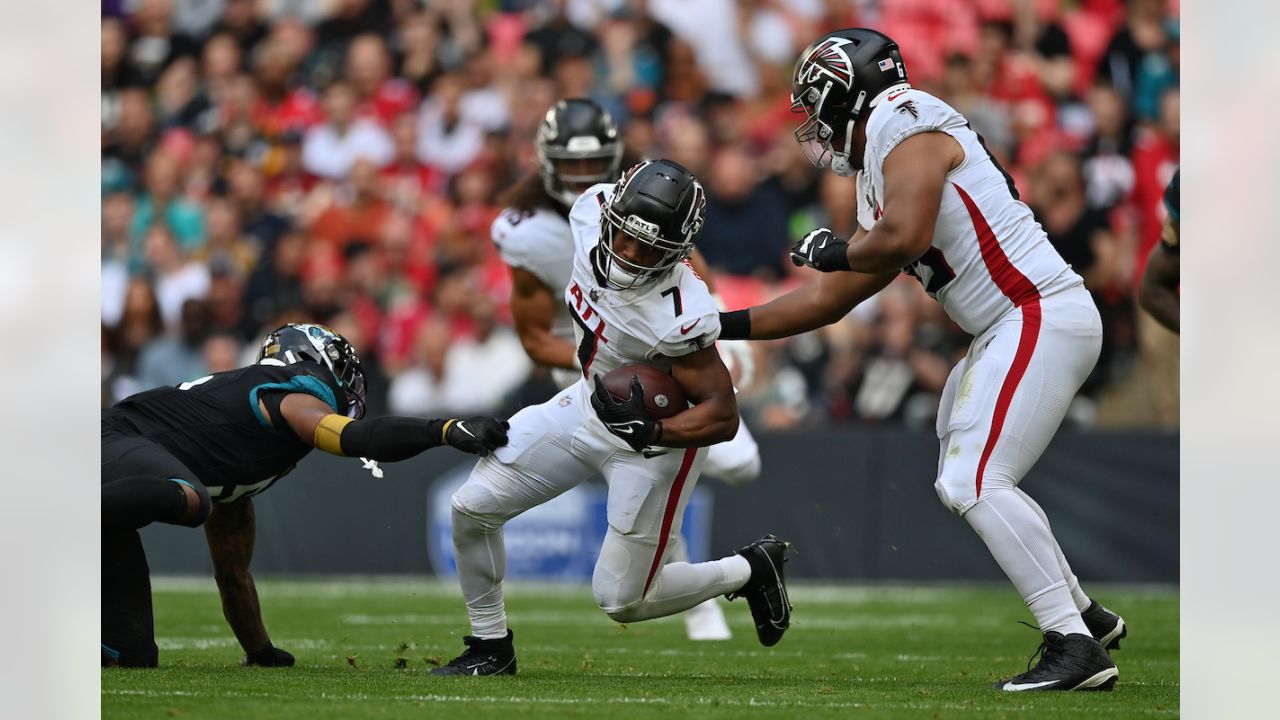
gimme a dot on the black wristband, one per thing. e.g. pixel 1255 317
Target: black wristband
pixel 735 325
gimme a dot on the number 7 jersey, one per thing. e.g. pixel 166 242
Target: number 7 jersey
pixel 663 319
pixel 988 254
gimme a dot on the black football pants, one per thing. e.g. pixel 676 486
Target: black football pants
pixel 141 483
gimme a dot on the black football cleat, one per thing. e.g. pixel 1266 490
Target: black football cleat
pixel 1105 626
pixel 1067 662
pixel 483 657
pixel 766 589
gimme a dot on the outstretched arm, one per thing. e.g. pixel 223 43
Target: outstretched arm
pixel 825 300
pixel 230 531
pixel 386 439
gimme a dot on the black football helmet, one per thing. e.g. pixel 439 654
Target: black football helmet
pixel 577 130
pixel 307 342
pixel 835 79
pixel 660 204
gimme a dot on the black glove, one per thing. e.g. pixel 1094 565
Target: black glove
pixel 628 419
pixel 478 435
pixel 821 250
pixel 270 656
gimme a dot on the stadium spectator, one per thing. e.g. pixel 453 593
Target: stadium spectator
pixel 746 229
pixel 176 357
pixel 177 278
pixel 379 96
pixel 333 147
pixel 354 211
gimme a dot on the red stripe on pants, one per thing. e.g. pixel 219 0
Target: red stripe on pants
pixel 669 514
pixel 1023 294
pixel 1021 358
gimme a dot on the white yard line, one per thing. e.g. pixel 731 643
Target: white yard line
pixel 527 700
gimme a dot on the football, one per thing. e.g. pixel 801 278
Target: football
pixel 663 397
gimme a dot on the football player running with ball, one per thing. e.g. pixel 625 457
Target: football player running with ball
pixel 632 300
pixel 578 146
pixel 932 202
pixel 197 453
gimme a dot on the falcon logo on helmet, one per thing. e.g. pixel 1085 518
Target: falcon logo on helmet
pixel 835 80
pixel 826 58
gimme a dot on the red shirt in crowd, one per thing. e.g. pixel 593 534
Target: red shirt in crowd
pixel 1155 159
pixel 394 97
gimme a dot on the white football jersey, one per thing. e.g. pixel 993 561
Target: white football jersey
pixel 539 242
pixel 649 325
pixel 989 254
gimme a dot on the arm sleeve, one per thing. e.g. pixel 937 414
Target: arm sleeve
pixel 391 438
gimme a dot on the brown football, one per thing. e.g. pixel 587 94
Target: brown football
pixel 663 397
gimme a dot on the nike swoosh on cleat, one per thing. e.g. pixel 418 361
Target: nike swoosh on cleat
pixel 1026 686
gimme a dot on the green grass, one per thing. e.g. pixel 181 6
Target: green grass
pixel 852 651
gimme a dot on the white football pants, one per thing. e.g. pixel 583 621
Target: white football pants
pixel 553 447
pixel 1000 408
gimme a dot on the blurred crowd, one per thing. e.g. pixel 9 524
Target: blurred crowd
pixel 266 161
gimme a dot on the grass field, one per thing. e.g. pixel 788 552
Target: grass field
pixel 852 651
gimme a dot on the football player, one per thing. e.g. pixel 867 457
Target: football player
pixel 1158 292
pixel 935 204
pixel 579 146
pixel 196 453
pixel 632 300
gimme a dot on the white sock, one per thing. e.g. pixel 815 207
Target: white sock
pixel 1082 600
pixel 1022 544
pixel 482 562
pixel 679 586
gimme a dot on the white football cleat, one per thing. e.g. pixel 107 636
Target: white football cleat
pixel 706 622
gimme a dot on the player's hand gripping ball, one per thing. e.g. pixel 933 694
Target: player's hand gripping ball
pixel 631 407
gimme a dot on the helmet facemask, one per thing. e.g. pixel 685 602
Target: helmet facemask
pixel 561 185
pixel 625 274
pixel 826 143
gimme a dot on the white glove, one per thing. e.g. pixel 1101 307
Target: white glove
pixel 737 356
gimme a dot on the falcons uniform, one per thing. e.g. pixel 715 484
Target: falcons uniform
pixel 1036 330
pixel 541 242
pixel 557 445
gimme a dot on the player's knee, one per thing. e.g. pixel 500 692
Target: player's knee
pixel 619 608
pixel 476 508
pixel 957 494
pixel 616 597
pixel 197 505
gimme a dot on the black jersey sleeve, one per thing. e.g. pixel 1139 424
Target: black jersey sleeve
pixel 308 378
